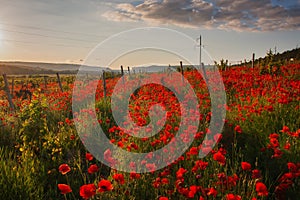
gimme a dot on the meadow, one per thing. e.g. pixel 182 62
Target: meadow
pixel 256 156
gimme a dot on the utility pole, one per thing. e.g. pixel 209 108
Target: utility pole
pixel 200 50
pixel 253 58
pixel 200 59
pixel 200 45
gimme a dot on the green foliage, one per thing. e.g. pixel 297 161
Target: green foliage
pixel 270 65
pixel 19 181
pixel 46 138
pixel 223 65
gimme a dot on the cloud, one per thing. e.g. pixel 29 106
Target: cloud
pixel 238 15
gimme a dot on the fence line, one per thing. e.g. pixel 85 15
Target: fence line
pixel 6 88
pixel 59 82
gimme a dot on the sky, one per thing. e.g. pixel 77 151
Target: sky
pixel 66 31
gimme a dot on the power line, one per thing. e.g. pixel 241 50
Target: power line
pixel 48 29
pixel 32 43
pixel 47 36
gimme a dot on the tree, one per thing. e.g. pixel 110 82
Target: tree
pixel 223 64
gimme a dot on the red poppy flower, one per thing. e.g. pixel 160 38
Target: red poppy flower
pixel 64 169
pixel 108 157
pixel 104 185
pixel 87 191
pixel 212 191
pixel 134 175
pixel 165 181
pixel 64 189
pixel 238 129
pixel 199 164
pixel 220 158
pixel 256 174
pixel 119 178
pixel 292 167
pixel 89 156
pixel 285 129
pixel 193 190
pixel 151 167
pixel 163 198
pixel 132 165
pixel 93 169
pixel 246 166
pixel 287 145
pixel 233 197
pixel 261 189
pixel 194 151
pixel 179 174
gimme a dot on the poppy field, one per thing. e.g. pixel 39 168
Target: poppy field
pixel 256 155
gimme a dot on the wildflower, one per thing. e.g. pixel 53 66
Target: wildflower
pixel 89 156
pixel 87 191
pixel 212 191
pixel 93 169
pixel 233 197
pixel 105 185
pixel 256 174
pixel 287 146
pixel 277 153
pixel 134 175
pixel 246 166
pixel 292 167
pixel 119 178
pixel 285 129
pixel 132 165
pixel 64 189
pixel 193 190
pixel 232 180
pixel 156 183
pixel 194 151
pixel 163 198
pixel 261 189
pixel 151 167
pixel 165 181
pixel 220 158
pixel 238 129
pixel 179 174
pixel 64 169
pixel 109 158
pixel 199 164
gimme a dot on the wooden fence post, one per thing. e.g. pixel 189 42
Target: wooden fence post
pixel 122 73
pixel 253 57
pixel 59 82
pixel 104 83
pixel 12 87
pixel 182 73
pixel 128 70
pixel 6 87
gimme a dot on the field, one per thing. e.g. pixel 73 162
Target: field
pixel 256 156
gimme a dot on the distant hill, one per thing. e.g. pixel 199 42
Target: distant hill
pixel 286 57
pixel 150 69
pixel 27 68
